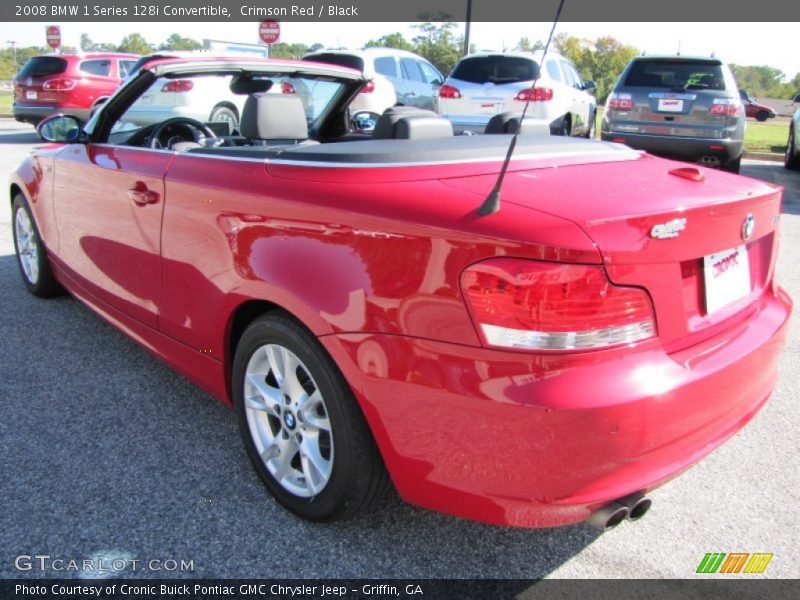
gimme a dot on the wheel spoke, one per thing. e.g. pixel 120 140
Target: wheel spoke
pixel 283 462
pixel 266 397
pixel 315 468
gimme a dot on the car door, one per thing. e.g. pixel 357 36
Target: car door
pixel 415 89
pixel 433 81
pixel 108 202
pixel 580 99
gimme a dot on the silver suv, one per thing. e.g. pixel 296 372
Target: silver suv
pixel 680 107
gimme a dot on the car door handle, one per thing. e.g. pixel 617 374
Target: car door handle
pixel 142 196
pixel 411 94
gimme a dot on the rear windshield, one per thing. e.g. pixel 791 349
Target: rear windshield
pixel 39 66
pixel 342 60
pixel 496 69
pixel 676 74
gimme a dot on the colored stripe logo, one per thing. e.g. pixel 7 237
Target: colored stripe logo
pixel 734 562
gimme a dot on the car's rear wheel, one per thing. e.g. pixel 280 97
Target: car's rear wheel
pixel 34 266
pixel 792 159
pixel 592 126
pixel 301 425
pixel 224 114
pixel 565 129
pixel 762 115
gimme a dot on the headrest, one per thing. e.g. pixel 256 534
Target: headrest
pixel 274 117
pixel 508 122
pixel 385 127
pixel 246 84
pixel 422 128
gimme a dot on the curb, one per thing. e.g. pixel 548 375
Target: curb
pixel 6 115
pixel 772 156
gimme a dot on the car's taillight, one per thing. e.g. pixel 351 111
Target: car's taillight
pixel 619 102
pixel 533 305
pixel 178 85
pixel 449 92
pixel 539 94
pixel 726 107
pixel 369 88
pixel 60 84
pixel 287 88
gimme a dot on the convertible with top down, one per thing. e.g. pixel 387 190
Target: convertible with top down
pixel 340 280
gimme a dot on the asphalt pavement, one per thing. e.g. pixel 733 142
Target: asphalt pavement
pixel 107 453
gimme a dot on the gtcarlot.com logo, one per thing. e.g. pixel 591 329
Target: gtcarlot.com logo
pixel 102 564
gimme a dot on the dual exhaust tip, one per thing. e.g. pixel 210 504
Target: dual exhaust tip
pixel 631 507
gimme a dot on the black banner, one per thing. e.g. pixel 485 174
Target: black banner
pixel 369 589
pixel 385 11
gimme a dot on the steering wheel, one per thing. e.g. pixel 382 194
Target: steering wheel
pixel 155 136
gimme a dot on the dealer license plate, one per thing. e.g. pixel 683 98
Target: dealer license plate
pixel 670 105
pixel 31 95
pixel 727 277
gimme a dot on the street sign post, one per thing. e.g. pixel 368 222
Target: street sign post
pixel 53 33
pixel 270 32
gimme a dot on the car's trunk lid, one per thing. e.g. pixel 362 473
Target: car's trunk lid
pixel 630 210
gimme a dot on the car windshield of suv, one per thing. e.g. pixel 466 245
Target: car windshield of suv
pixel 42 65
pixel 341 60
pixel 676 74
pixel 496 69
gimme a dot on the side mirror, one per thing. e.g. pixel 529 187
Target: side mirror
pixel 364 121
pixel 59 128
pixel 589 85
pixel 796 99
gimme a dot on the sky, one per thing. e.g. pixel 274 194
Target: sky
pixel 772 44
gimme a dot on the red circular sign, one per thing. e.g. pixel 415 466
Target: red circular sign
pixel 269 31
pixel 53 36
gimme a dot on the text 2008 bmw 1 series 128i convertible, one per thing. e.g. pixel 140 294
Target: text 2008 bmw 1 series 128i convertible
pixel 545 361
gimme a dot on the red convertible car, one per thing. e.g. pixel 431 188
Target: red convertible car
pixel 553 361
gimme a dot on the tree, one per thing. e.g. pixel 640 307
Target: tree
pixel 437 43
pixel 392 40
pixel 282 50
pixel 135 44
pixel 524 45
pixel 86 42
pixel 177 42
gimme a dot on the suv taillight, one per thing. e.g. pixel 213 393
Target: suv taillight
pixel 287 88
pixel 369 87
pixel 178 85
pixel 726 107
pixel 533 305
pixel 619 102
pixel 60 84
pixel 539 94
pixel 449 92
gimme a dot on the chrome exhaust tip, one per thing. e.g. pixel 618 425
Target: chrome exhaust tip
pixel 637 504
pixel 608 516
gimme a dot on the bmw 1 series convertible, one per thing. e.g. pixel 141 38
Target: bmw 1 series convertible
pixel 339 280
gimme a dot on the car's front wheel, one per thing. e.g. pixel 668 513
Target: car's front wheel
pixel 762 116
pixel 792 160
pixel 302 428
pixel 34 266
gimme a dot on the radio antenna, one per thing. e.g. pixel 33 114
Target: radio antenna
pixel 492 203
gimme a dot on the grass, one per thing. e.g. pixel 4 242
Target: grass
pixel 770 136
pixel 5 103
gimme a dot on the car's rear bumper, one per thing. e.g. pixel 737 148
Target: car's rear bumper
pixel 532 440
pixel 690 149
pixel 33 113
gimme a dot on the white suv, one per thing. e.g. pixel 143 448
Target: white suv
pixel 397 77
pixel 489 83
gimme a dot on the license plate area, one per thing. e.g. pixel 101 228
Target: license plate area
pixel 726 277
pixel 488 107
pixel 670 105
pixel 31 95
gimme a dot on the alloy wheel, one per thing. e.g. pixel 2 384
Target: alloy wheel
pixel 27 246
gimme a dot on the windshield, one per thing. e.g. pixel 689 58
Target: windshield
pixel 676 74
pixel 200 97
pixel 496 69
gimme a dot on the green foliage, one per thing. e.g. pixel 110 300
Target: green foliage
pixel 282 50
pixel 766 81
pixel 135 44
pixel 392 40
pixel 178 42
pixel 438 44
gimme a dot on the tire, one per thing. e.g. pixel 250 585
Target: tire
pixel 308 415
pixel 791 160
pixel 733 166
pixel 762 116
pixel 34 265
pixel 225 114
pixel 564 129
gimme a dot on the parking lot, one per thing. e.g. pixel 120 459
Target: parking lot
pixel 108 453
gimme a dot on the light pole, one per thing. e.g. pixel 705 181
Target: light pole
pixel 13 45
pixel 466 29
